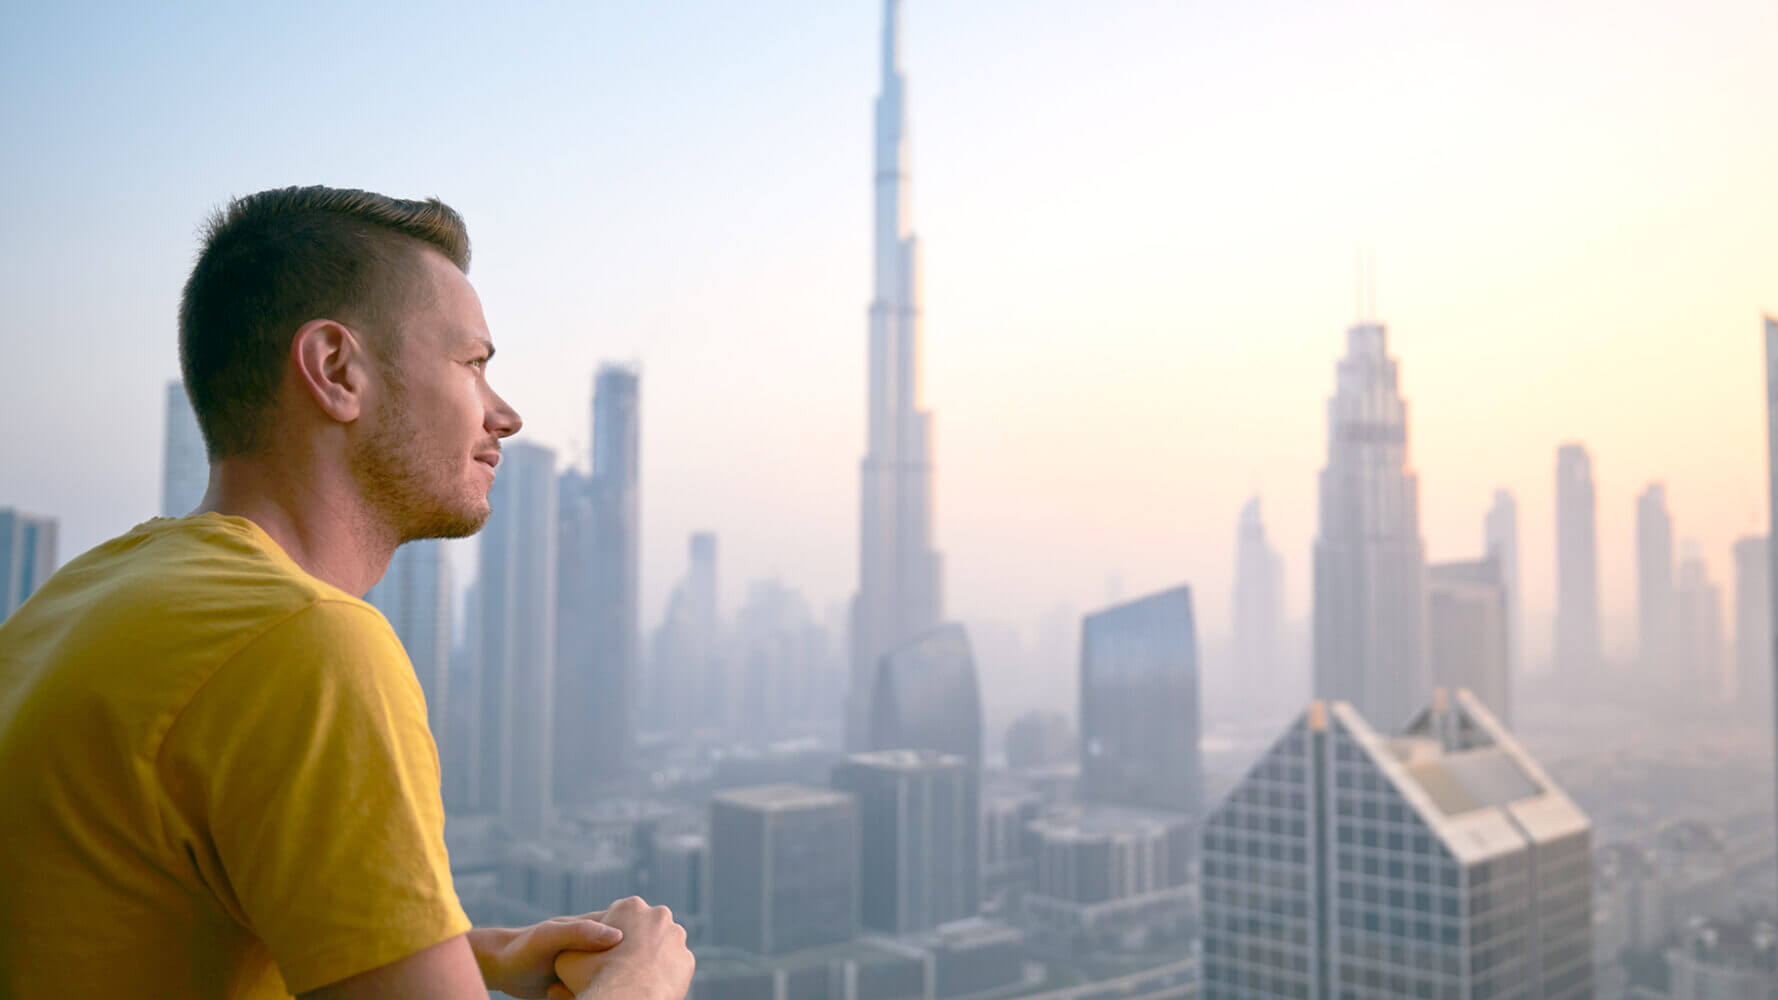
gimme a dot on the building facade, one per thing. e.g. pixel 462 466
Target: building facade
pixel 927 696
pixel 1139 710
pixel 415 595
pixel 1370 630
pixel 1258 605
pixel 1724 960
pixel 1698 661
pixel 27 556
pixel 1753 620
pixel 784 868
pixel 1440 863
pixel 185 467
pixel 1500 539
pixel 598 631
pixel 1467 631
pixel 900 589
pixel 1654 579
pixel 919 847
pixel 516 633
pixel 1577 563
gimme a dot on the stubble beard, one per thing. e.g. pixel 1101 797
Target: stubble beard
pixel 414 494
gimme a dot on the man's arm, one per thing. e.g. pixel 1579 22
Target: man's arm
pixel 445 971
pixel 518 962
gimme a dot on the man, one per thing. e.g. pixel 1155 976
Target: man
pixel 217 775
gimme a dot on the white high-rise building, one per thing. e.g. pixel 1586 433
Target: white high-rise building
pixel 415 595
pixel 1370 602
pixel 1500 539
pixel 1258 608
pixel 899 574
pixel 517 634
pixel 1440 861
pixel 185 469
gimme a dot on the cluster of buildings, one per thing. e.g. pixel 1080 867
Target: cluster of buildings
pixel 818 811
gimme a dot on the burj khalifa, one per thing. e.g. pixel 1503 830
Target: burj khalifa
pixel 899 574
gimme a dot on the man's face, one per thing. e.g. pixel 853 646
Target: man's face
pixel 426 458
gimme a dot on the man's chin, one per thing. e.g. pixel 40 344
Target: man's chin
pixel 451 524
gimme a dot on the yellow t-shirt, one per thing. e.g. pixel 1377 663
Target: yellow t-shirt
pixel 216 778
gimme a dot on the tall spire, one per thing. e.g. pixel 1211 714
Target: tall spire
pixel 898 572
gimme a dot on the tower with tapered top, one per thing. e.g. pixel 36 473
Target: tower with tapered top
pixel 899 591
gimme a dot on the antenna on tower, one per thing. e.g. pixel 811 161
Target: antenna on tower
pixel 1358 258
pixel 1371 272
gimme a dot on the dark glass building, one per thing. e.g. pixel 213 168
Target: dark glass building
pixel 927 698
pixel 1139 704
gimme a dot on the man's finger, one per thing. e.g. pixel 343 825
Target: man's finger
pixel 559 992
pixel 582 935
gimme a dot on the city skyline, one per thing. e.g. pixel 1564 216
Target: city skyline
pixel 1535 265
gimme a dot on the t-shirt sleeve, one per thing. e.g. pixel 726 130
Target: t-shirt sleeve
pixel 312 785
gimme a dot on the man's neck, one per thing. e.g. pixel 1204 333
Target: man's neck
pixel 316 518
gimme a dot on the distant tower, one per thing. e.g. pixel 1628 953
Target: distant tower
pixel 1772 494
pixel 686 688
pixel 1139 711
pixel 919 819
pixel 1370 636
pixel 784 868
pixel 1259 605
pixel 185 471
pixel 1467 631
pixel 1753 619
pixel 1654 579
pixel 27 556
pixel 599 634
pixel 927 696
pixel 1697 629
pixel 899 573
pixel 1500 539
pixel 415 595
pixel 1577 563
pixel 517 633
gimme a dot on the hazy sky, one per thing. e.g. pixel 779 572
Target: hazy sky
pixel 1139 221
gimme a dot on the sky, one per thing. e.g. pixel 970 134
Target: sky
pixel 1139 224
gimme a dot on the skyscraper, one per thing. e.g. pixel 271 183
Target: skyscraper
pixel 1772 493
pixel 1500 539
pixel 1577 563
pixel 919 848
pixel 1466 631
pixel 1698 664
pixel 784 868
pixel 899 574
pixel 185 470
pixel 1139 712
pixel 927 696
pixel 517 632
pixel 598 631
pixel 27 556
pixel 415 595
pixel 1753 620
pixel 1370 636
pixel 1442 863
pixel 1654 578
pixel 1258 605
pixel 686 687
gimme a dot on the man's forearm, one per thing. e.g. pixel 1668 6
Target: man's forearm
pixel 487 943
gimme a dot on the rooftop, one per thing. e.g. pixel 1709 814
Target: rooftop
pixel 778 798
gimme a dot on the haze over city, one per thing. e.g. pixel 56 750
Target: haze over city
pixel 1141 225
pixel 1024 498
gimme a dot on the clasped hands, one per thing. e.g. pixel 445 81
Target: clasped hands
pixel 629 950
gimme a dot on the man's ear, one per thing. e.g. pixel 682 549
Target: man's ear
pixel 332 365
